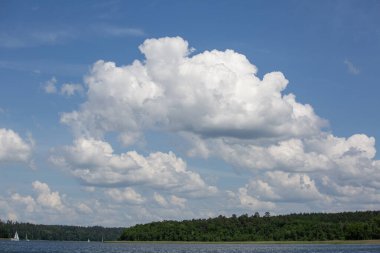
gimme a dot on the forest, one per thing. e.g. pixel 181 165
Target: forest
pixel 58 232
pixel 293 227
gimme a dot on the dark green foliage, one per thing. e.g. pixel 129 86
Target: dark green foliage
pixel 293 227
pixel 58 232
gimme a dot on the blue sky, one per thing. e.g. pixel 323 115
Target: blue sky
pixel 124 112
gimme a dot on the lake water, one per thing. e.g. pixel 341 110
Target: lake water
pixel 96 247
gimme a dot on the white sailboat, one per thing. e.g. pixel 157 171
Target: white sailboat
pixel 26 238
pixel 15 238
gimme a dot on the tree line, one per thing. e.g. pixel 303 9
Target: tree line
pixel 58 232
pixel 292 227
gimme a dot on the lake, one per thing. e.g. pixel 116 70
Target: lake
pixel 96 247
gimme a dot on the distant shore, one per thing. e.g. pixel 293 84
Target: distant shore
pixel 234 242
pixel 257 242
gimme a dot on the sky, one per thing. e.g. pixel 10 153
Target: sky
pixel 116 113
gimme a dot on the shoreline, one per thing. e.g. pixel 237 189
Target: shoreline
pixel 348 242
pixel 255 242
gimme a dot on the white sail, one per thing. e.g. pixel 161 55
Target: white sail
pixel 26 238
pixel 16 238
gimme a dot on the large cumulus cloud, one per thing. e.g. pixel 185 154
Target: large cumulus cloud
pixel 211 94
pixel 217 103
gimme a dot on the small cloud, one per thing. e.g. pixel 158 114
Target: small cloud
pixel 352 69
pixel 50 87
pixel 69 89
pixel 46 197
pixel 160 200
pixel 13 148
pixel 177 201
pixel 118 31
pixel 83 208
pixel 127 195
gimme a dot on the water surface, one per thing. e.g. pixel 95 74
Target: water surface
pixel 96 247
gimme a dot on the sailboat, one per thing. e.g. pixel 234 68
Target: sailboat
pixel 26 238
pixel 15 238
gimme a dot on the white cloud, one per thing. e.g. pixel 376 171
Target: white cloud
pixel 284 192
pixel 345 158
pixel 352 69
pixel 50 86
pixel 128 195
pixel 70 89
pixel 211 94
pixel 286 187
pixel 67 89
pixel 346 193
pixel 46 197
pixel 319 171
pixel 281 192
pixel 83 210
pixel 94 162
pixel 215 101
pixel 13 148
pixel 43 206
